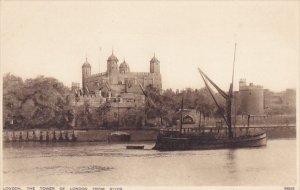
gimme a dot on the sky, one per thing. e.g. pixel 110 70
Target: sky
pixel 53 38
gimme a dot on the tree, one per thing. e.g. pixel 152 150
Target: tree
pixel 157 105
pixel 37 102
pixel 204 103
pixel 101 112
pixel 168 103
pixel 133 117
pixel 12 100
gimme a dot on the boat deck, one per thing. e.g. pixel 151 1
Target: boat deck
pixel 209 132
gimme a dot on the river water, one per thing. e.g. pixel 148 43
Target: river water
pixel 111 164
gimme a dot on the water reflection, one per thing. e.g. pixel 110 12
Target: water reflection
pixel 231 165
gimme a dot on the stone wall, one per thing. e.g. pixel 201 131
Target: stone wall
pixel 91 135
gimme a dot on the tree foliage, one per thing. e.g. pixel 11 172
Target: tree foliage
pixel 37 102
pixel 168 102
pixel 133 117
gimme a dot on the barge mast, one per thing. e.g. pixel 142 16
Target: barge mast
pixel 228 97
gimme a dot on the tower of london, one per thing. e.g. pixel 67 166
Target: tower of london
pixel 119 79
pixel 118 87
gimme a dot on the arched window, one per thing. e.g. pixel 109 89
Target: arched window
pixel 187 119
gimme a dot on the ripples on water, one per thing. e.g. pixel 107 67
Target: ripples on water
pixel 112 164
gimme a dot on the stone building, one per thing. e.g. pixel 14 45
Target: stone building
pixel 254 100
pixel 118 86
pixel 119 79
pixel 281 102
pixel 249 100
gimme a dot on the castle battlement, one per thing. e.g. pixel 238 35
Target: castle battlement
pixel 125 100
pixel 243 85
pixel 98 74
pixel 141 73
pixel 251 87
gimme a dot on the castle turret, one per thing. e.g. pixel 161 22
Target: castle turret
pixel 86 72
pixel 124 67
pixel 251 98
pixel 112 69
pixel 155 73
pixel 154 65
pixel 112 63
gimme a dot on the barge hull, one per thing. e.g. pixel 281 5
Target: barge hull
pixel 198 143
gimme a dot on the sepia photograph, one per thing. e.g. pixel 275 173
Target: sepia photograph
pixel 114 95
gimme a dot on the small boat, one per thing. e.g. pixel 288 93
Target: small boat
pixel 134 147
pixel 119 136
pixel 191 139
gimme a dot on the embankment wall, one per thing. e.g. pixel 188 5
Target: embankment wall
pixel 90 135
pixel 93 135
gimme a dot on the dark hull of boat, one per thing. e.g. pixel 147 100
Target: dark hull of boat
pixel 202 142
pixel 134 147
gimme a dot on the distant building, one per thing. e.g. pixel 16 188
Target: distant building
pixel 284 101
pixel 251 98
pixel 254 100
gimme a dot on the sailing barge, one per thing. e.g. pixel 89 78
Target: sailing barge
pixel 213 138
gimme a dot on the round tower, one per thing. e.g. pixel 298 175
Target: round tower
pixel 124 67
pixel 154 65
pixel 86 72
pixel 251 100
